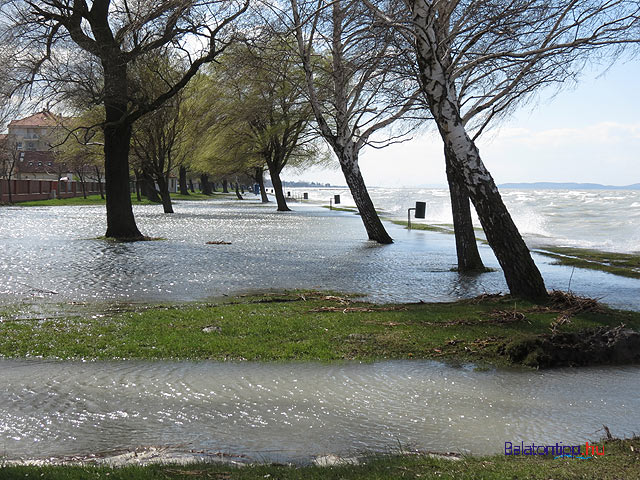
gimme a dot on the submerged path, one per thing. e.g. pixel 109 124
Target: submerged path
pixel 50 255
pixel 293 412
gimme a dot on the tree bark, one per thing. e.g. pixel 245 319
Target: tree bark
pixel 259 176
pixel 83 186
pixel 138 185
pixel 520 271
pixel 99 178
pixel 373 225
pixel 121 223
pixel 163 186
pixel 183 180
pixel 204 184
pixel 191 187
pixel 469 260
pixel 238 196
pixel 225 188
pixel 9 189
pixel 148 188
pixel 277 188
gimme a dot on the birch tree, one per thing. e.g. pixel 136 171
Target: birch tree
pixel 69 41
pixel 478 60
pixel 351 67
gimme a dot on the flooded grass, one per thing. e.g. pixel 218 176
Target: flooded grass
pixel 623 264
pixel 621 460
pixel 301 326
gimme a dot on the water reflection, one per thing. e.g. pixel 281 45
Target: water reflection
pixel 290 412
pixel 51 255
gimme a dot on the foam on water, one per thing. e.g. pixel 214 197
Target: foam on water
pixel 592 219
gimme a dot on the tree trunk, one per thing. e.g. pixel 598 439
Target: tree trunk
pixel 9 188
pixel 138 185
pixel 225 188
pixel 204 184
pixel 520 271
pixel 372 223
pixel 277 188
pixel 183 180
pixel 163 186
pixel 84 188
pixel 121 223
pixel 214 187
pixel 193 190
pixel 238 196
pixel 148 188
pixel 99 178
pixel 260 180
pixel 466 246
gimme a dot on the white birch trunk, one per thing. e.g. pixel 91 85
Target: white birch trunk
pixel 521 273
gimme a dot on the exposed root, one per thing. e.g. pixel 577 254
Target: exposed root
pixel 218 242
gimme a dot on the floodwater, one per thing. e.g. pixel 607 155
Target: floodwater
pixel 51 255
pixel 292 412
pixel 51 261
pixel 606 220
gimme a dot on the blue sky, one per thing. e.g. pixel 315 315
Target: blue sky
pixel 590 133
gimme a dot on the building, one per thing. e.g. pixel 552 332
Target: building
pixel 35 133
pixel 28 160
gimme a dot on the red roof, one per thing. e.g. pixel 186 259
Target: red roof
pixel 40 119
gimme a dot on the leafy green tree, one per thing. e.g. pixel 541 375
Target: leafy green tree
pixel 93 45
pixel 260 115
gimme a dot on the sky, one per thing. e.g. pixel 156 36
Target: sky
pixel 590 133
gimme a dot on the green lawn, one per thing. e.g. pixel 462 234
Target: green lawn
pixel 300 326
pixel 96 200
pixel 623 264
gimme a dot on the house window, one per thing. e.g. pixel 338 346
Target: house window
pixel 49 163
pixel 39 164
pixel 19 147
pixel 31 164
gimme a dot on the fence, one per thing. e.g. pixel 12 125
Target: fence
pixel 28 190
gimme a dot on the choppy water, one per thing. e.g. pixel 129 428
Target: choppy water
pixel 600 219
pixel 51 255
pixel 291 412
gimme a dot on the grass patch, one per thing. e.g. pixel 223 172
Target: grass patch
pixel 300 326
pixel 623 264
pixel 349 209
pixel 621 460
pixel 342 209
pixel 425 226
pixel 96 200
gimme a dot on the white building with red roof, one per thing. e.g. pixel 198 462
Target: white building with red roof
pixel 32 138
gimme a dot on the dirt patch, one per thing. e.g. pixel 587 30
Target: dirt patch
pixel 599 346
